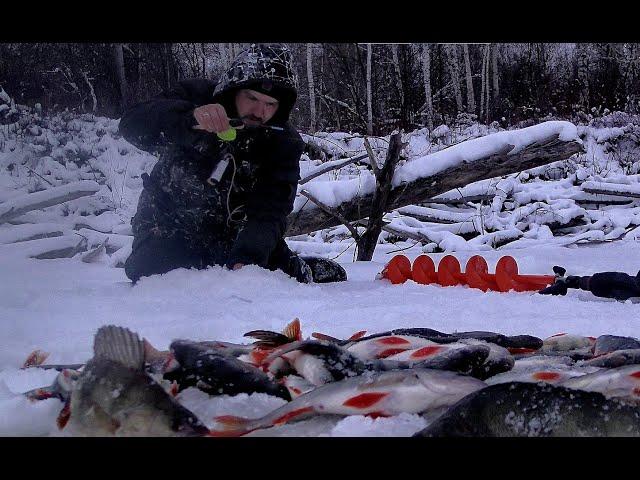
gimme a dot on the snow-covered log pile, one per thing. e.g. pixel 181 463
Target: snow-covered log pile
pixel 69 185
pixel 420 178
pixel 591 196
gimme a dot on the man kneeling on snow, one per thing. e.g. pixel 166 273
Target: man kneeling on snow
pixel 210 201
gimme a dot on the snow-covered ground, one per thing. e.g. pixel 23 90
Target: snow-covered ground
pixel 57 305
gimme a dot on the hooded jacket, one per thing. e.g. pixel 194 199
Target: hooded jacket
pixel 241 219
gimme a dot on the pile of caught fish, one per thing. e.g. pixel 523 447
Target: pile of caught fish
pixel 469 383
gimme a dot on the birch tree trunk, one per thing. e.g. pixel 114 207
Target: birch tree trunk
pixel 582 57
pixel 312 92
pixel 484 107
pixel 487 94
pixel 630 76
pixel 396 65
pixel 322 79
pixel 118 56
pixel 167 49
pixel 494 71
pixel 369 103
pixel 203 58
pixel 482 82
pixel 452 61
pixel 223 54
pixel 426 75
pixel 471 101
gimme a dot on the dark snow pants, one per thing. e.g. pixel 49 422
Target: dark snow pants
pixel 152 255
pixel 618 285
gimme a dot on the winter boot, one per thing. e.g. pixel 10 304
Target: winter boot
pixel 324 270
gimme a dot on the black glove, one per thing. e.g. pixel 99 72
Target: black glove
pixel 558 288
pixel 561 283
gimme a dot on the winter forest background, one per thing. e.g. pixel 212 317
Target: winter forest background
pixel 347 87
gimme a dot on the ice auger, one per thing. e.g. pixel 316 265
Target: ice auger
pixel 476 274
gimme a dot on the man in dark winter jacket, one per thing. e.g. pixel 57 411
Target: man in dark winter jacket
pixel 214 199
pixel 617 285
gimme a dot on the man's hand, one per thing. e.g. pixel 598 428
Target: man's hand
pixel 238 266
pixel 211 118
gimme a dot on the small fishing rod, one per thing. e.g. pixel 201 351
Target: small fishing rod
pixel 229 136
pixel 237 124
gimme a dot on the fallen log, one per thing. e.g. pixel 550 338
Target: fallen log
pixel 436 216
pixel 408 234
pixel 19 205
pixel 24 233
pixel 65 246
pixel 497 157
pixel 488 198
pixel 617 190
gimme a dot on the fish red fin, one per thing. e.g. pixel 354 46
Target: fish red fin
pixel 174 389
pixel 64 416
pixel 258 355
pixel 293 330
pixel 358 335
pixel 390 351
pixel 546 376
pixel 365 400
pixel 519 350
pixel 231 426
pixel 392 341
pixel 635 374
pixel 292 414
pixel 170 363
pixel 328 338
pixel 35 358
pixel 426 351
pixel 39 394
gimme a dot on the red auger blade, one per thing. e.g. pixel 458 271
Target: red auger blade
pixel 478 276
pixel 507 277
pixel 398 270
pixel 449 272
pixel 424 270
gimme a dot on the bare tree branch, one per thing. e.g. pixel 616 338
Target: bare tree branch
pixel 332 212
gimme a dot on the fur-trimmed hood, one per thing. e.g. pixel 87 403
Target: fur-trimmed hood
pixel 266 68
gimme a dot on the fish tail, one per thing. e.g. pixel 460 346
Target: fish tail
pixel 35 358
pixel 232 426
pixel 293 330
pixel 120 345
pixel 269 339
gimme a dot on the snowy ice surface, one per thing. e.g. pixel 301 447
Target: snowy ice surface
pixel 57 305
